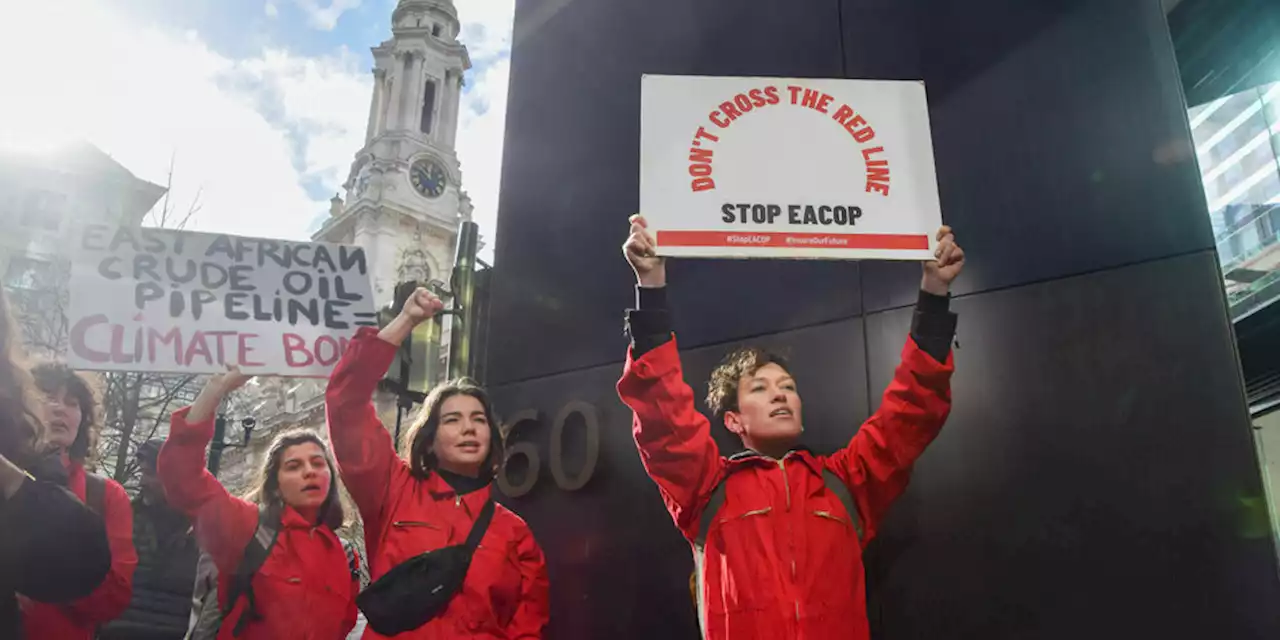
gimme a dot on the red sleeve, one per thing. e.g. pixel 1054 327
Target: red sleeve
pixel 223 523
pixel 674 439
pixel 111 598
pixel 366 457
pixel 876 465
pixel 535 591
pixel 349 620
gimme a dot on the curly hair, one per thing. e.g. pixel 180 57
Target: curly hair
pixel 56 377
pixel 421 435
pixel 722 388
pixel 20 429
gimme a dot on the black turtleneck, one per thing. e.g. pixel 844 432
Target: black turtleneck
pixel 463 484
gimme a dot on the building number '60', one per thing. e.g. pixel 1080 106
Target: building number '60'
pixel 564 479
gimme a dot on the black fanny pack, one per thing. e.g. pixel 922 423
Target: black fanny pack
pixel 415 591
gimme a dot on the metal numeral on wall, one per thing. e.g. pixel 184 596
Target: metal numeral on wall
pixel 526 449
pixel 592 420
pixel 529 451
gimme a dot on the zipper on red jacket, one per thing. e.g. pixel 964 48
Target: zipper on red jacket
pixel 413 523
pixel 782 466
pixel 786 486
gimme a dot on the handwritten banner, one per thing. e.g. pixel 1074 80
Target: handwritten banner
pixel 180 301
pixel 787 167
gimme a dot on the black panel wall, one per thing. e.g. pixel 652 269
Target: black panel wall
pixel 1097 477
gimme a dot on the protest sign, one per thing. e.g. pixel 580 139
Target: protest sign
pixel 179 301
pixel 787 167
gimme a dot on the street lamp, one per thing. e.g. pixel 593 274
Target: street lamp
pixel 219 434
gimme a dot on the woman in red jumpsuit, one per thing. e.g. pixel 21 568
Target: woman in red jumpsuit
pixel 429 499
pixel 305 590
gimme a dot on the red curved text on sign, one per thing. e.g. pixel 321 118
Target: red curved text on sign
pixel 702 152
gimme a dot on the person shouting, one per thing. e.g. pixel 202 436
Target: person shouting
pixel 777 530
pixel 435 495
pixel 305 587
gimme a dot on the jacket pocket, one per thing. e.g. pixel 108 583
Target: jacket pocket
pixel 411 524
pixel 753 512
pixel 740 560
pixel 822 513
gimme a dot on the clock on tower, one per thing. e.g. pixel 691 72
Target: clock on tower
pixel 428 178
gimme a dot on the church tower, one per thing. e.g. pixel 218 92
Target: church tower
pixel 404 198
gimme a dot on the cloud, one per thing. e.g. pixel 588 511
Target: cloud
pixel 480 135
pixel 486 30
pixel 325 18
pixel 271 10
pixel 323 101
pixel 265 140
pixel 244 134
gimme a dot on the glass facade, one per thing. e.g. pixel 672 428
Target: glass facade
pixel 1237 140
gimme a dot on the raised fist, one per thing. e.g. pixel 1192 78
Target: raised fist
pixel 941 272
pixel 421 305
pixel 651 270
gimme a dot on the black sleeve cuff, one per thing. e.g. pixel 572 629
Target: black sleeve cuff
pixel 649 324
pixel 933 326
pixel 651 298
pixel 648 329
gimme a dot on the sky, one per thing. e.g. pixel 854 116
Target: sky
pixel 259 105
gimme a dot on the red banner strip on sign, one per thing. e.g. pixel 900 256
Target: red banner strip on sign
pixel 805 240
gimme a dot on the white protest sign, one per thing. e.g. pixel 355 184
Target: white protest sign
pixel 787 167
pixel 180 301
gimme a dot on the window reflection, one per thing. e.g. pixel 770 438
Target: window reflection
pixel 1237 140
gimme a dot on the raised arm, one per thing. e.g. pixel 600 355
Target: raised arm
pixel 877 463
pixel 223 523
pixel 366 456
pixel 673 438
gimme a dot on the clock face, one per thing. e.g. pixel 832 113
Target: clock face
pixel 428 178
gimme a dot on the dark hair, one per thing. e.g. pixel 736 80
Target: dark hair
pixel 421 435
pixel 722 388
pixel 54 377
pixel 20 430
pixel 266 489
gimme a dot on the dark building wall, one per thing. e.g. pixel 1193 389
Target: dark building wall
pixel 1097 477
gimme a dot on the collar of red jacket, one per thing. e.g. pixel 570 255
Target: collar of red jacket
pixel 291 519
pixel 440 490
pixel 802 453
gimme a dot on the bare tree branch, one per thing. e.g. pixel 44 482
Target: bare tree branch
pixel 135 405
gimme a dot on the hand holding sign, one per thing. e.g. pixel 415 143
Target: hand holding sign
pixel 940 273
pixel 215 390
pixel 650 269
pixel 231 380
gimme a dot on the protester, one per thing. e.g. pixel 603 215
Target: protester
pixel 430 499
pixel 777 551
pixel 305 587
pixel 53 549
pixel 167 555
pixel 68 413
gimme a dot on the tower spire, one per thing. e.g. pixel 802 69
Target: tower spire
pixel 404 192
